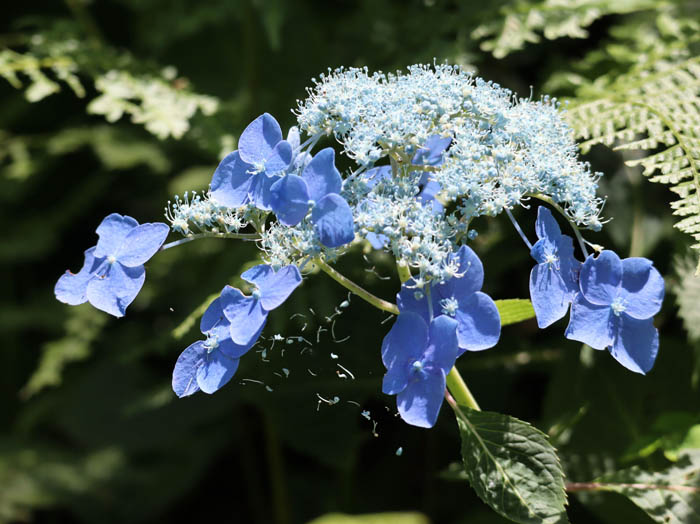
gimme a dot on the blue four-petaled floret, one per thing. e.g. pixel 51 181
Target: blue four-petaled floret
pixel 615 306
pixel 554 280
pixel 113 272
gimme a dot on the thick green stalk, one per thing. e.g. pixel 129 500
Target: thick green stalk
pixel 240 236
pixel 460 391
pixel 356 289
pixel 403 271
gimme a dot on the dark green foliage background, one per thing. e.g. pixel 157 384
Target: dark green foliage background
pixel 101 438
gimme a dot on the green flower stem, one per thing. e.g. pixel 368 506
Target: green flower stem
pixel 241 236
pixel 460 391
pixel 556 206
pixel 403 271
pixel 356 289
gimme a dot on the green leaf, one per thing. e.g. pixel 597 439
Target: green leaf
pixel 512 467
pixel 514 310
pixel 671 496
pixel 375 518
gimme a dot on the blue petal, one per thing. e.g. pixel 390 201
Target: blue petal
pixel 112 232
pixel 333 223
pixel 215 325
pixel 259 139
pixel 275 286
pixel 216 370
pixel 600 278
pixel 569 267
pixel 232 350
pixel 591 324
pixel 542 248
pixel 550 296
pixel 427 196
pixel 213 316
pixel 117 289
pixel 479 324
pixel 636 344
pixel 185 371
pixel 373 176
pixel 431 152
pixel 378 241
pixel 546 226
pixel 293 137
pixel 419 404
pixel 289 199
pixel 321 176
pixel 442 343
pixel 396 378
pixel 231 182
pixel 642 288
pixel 246 315
pixel 302 160
pixel 72 288
pixel 407 300
pixel 142 243
pixel 470 274
pixel 405 342
pixel 260 190
pixel 280 158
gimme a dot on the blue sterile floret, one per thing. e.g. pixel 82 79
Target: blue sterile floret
pixel 437 323
pixel 247 174
pixel 318 188
pixel 459 297
pixel 113 272
pixel 554 280
pixel 209 364
pixel 418 355
pixel 248 314
pixel 615 306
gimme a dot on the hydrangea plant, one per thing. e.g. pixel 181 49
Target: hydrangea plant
pixel 431 149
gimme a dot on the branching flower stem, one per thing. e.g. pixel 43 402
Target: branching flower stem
pixel 556 206
pixel 459 389
pixel 356 289
pixel 518 229
pixel 241 236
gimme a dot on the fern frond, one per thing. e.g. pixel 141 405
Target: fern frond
pixel 653 110
pixel 520 23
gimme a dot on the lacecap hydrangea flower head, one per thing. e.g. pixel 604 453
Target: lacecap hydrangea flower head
pixel 430 150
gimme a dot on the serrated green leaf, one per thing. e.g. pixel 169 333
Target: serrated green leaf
pixel 512 467
pixel 671 496
pixel 514 310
